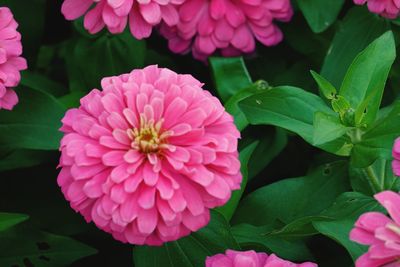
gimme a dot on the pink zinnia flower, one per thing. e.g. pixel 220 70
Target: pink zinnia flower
pixel 226 25
pixel 10 61
pixel 386 8
pixel 380 232
pixel 141 15
pixel 146 158
pixel 396 156
pixel 250 258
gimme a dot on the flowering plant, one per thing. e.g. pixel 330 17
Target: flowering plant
pixel 199 133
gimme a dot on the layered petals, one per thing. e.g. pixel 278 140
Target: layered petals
pixel 251 258
pixel 380 232
pixel 11 62
pixel 146 158
pixel 387 8
pixel 231 27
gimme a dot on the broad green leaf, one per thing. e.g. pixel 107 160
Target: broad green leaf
pixel 42 83
pixel 232 107
pixel 252 237
pixel 287 107
pixel 293 109
pixel 23 158
pixel 343 214
pixel 377 177
pixel 311 193
pixel 8 220
pixel 367 75
pixel 229 208
pixel 119 54
pixel 33 123
pixel 327 89
pixel 230 75
pixel 327 128
pixel 377 142
pixel 358 29
pixel 190 251
pixel 320 14
pixel 22 246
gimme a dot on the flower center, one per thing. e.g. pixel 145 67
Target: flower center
pixel 148 137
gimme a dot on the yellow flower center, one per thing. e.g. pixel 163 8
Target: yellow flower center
pixel 149 137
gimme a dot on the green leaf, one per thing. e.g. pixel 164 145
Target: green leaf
pixel 22 246
pixel 190 251
pixel 250 237
pixel 377 142
pixel 327 128
pixel 320 14
pixel 358 29
pixel 42 83
pixel 343 214
pixel 232 107
pixel 230 75
pixel 381 170
pixel 229 208
pixel 327 89
pixel 8 220
pixel 293 109
pixel 311 193
pixel 367 75
pixel 90 60
pixel 23 158
pixel 33 123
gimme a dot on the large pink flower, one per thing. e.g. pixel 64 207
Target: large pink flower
pixel 230 26
pixel 146 158
pixel 396 156
pixel 141 15
pixel 386 8
pixel 10 61
pixel 250 258
pixel 380 232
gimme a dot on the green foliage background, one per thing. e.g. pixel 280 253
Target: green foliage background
pixel 315 146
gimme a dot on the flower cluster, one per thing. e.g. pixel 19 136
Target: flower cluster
pixel 386 8
pixel 203 26
pixel 229 26
pixel 380 232
pixel 146 158
pixel 233 258
pixel 11 62
pixel 141 15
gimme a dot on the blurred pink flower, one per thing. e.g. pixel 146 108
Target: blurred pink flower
pixel 141 15
pixel 396 156
pixel 250 258
pixel 206 26
pixel 386 8
pixel 10 61
pixel 146 158
pixel 380 232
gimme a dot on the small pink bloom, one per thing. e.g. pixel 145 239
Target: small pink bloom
pixel 250 258
pixel 386 8
pixel 396 157
pixel 229 26
pixel 10 61
pixel 147 157
pixel 380 232
pixel 141 15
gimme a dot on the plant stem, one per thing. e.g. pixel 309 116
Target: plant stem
pixel 373 179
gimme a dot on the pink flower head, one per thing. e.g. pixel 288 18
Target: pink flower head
pixel 380 232
pixel 396 156
pixel 141 15
pixel 146 158
pixel 250 258
pixel 386 8
pixel 226 25
pixel 10 61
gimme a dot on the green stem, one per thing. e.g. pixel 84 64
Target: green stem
pixel 373 179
